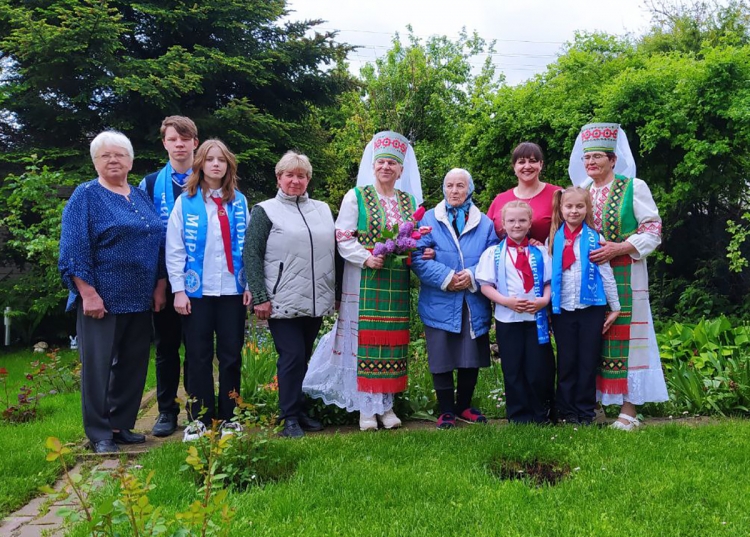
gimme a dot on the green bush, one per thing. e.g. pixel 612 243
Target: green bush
pixel 707 366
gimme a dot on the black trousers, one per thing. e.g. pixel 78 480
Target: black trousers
pixel 578 335
pixel 114 355
pixel 223 316
pixel 294 339
pixel 529 372
pixel 168 338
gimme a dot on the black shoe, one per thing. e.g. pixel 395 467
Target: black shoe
pixel 166 424
pixel 292 429
pixel 309 424
pixel 128 437
pixel 104 446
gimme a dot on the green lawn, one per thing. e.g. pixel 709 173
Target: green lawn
pixel 662 480
pixel 23 468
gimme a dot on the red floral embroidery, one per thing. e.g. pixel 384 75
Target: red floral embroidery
pixel 345 234
pixel 392 214
pixel 599 197
pixel 650 227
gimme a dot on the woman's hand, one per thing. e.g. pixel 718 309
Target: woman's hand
pixel 610 320
pixel 93 305
pixel 375 262
pixel 247 298
pixel 182 303
pixel 609 250
pixel 534 242
pixel 428 254
pixel 159 298
pixel 263 311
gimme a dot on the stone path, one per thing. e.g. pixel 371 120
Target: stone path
pixel 39 517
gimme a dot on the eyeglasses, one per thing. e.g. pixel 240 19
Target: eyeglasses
pixel 112 156
pixel 594 156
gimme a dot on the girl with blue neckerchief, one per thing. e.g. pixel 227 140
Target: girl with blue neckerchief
pixel 205 238
pixel 581 291
pixel 515 275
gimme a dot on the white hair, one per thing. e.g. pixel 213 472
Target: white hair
pixel 465 173
pixel 114 138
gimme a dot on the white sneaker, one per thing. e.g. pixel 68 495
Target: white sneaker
pixel 367 423
pixel 194 431
pixel 231 428
pixel 390 420
pixel 631 424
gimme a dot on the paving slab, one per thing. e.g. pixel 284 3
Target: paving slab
pixel 12 523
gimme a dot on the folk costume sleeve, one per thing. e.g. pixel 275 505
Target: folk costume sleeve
pixel 648 236
pixel 346 232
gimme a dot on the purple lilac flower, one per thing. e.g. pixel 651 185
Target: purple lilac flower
pixel 390 246
pixel 379 249
pixel 406 229
pixel 411 244
pixel 402 245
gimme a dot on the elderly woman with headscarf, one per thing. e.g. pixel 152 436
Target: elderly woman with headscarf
pixel 626 215
pixel 289 258
pixel 455 313
pixel 111 260
pixel 362 362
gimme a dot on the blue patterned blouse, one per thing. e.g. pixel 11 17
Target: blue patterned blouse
pixel 114 244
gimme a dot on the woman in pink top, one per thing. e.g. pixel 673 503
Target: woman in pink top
pixel 528 161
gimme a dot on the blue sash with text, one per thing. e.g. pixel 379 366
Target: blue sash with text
pixel 592 287
pixel 195 228
pixel 537 268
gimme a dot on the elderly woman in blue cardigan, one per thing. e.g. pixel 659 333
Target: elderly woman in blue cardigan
pixel 456 315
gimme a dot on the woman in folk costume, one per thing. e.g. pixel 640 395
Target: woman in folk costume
pixel 205 238
pixel 626 215
pixel 362 362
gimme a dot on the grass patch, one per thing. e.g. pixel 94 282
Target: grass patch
pixel 662 480
pixel 23 468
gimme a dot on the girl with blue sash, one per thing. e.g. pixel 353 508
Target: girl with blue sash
pixel 581 291
pixel 205 238
pixel 515 275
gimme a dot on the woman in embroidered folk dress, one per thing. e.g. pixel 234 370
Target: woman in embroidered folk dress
pixel 112 261
pixel 527 160
pixel 515 275
pixel 455 313
pixel 205 237
pixel 626 215
pixel 361 363
pixel 289 261
pixel 581 290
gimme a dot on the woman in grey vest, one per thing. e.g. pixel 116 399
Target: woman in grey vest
pixel 289 261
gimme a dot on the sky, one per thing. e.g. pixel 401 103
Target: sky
pixel 529 33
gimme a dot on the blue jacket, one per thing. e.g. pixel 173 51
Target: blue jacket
pixel 438 307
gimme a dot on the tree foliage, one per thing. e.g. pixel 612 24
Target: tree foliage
pixel 683 98
pixel 424 89
pixel 75 67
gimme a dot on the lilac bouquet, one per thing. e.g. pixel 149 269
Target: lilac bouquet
pixel 398 241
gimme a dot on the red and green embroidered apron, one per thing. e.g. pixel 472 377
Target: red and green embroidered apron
pixel 618 223
pixel 383 345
